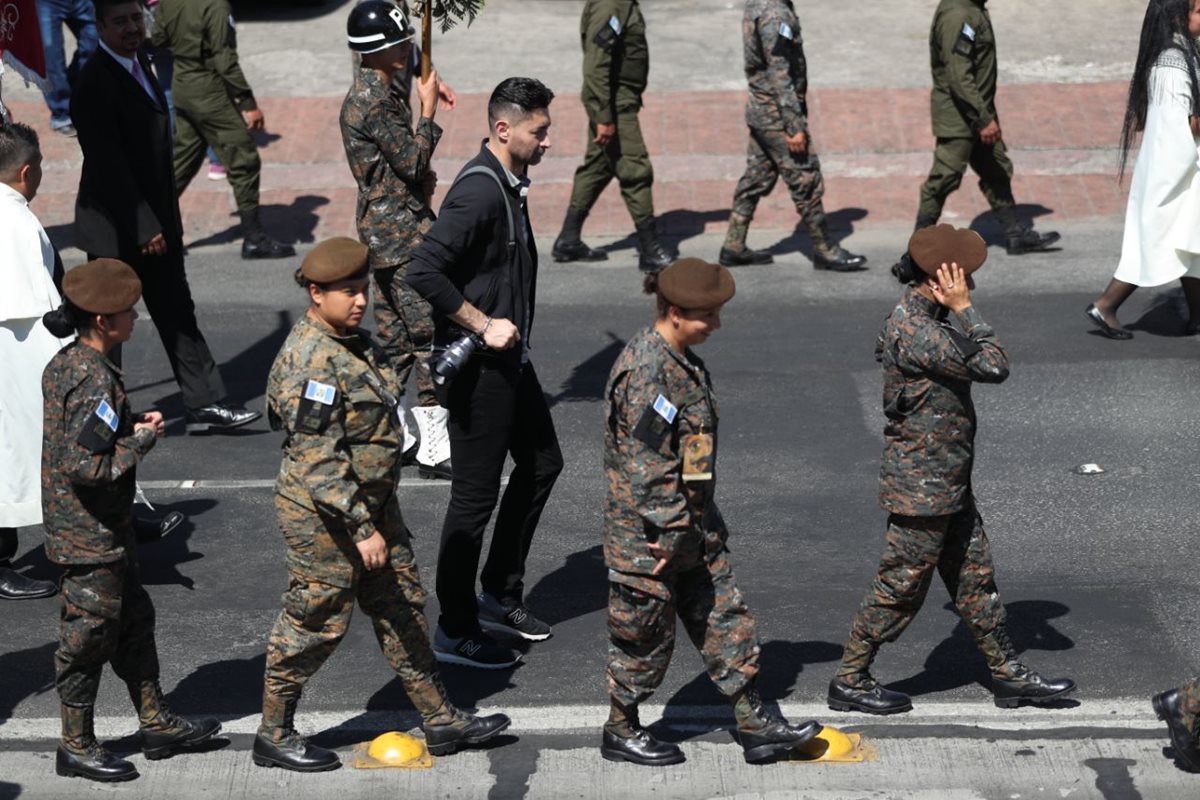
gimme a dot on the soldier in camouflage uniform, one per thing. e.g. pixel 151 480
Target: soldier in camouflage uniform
pixel 962 53
pixel 780 145
pixel 925 479
pixel 92 442
pixel 616 64
pixel 1180 709
pixel 391 164
pixel 664 538
pixel 329 391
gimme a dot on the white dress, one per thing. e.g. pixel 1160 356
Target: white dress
pixel 26 279
pixel 1162 219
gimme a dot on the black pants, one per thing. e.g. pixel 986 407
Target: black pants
pixel 8 545
pixel 495 411
pixel 168 298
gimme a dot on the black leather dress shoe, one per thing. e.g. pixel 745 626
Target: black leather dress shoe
pixel 1168 706
pixel 870 698
pixel 1029 241
pixel 97 764
pixel 575 251
pixel 1098 320
pixel 841 261
pixel 640 748
pixel 152 528
pixel 15 586
pixel 776 740
pixel 263 246
pixel 442 740
pixel 184 734
pixel 443 471
pixel 217 418
pixel 744 257
pixel 1029 687
pixel 294 753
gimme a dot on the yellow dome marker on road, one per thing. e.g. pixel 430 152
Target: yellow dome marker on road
pixel 831 745
pixel 392 749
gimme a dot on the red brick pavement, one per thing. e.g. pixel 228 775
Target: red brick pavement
pixel 1063 134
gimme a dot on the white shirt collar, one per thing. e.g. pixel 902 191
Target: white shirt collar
pixel 9 193
pixel 127 63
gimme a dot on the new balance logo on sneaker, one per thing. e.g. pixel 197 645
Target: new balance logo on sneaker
pixel 478 650
pixel 511 620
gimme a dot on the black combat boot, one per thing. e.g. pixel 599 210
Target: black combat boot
pixel 1020 237
pixel 462 729
pixel 734 252
pixel 853 688
pixel 625 739
pixel 1013 683
pixel 1169 707
pixel 652 256
pixel 81 756
pixel 278 745
pixel 764 735
pixel 255 241
pixel 829 255
pixel 568 246
pixel 163 732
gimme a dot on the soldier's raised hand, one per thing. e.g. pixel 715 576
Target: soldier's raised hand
pixel 427 91
pixel 951 287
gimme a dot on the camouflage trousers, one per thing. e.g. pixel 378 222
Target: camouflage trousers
pixel 404 324
pixel 641 628
pixel 1191 704
pixel 624 158
pixel 954 545
pixel 950 160
pixel 325 579
pixel 768 159
pixel 106 618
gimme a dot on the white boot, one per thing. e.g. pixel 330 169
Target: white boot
pixel 433 456
pixel 408 443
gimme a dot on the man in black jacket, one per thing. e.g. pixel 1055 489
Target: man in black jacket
pixel 127 207
pixel 481 277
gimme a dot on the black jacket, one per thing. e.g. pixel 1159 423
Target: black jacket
pixel 127 186
pixel 465 256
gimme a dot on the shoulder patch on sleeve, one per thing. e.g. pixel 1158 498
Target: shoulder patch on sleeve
pixel 100 430
pixel 606 37
pixel 786 32
pixel 968 32
pixel 664 408
pixel 316 407
pixel 653 428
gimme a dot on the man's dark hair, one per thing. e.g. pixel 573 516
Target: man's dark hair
pixel 515 99
pixel 103 7
pixel 18 147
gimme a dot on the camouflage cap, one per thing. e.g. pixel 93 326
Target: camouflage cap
pixel 945 244
pixel 693 283
pixel 103 286
pixel 338 259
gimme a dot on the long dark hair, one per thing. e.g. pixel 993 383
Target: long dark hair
pixel 1165 20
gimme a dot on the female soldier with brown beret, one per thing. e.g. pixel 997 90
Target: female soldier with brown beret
pixel 664 539
pixel 92 442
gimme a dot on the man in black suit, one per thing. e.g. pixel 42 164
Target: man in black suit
pixel 127 207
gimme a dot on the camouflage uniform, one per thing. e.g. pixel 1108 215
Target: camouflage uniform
pixel 616 65
pixel 925 482
pixel 336 487
pixel 778 78
pixel 90 453
pixel 649 502
pixel 391 163
pixel 962 52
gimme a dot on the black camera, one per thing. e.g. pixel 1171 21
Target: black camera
pixel 448 363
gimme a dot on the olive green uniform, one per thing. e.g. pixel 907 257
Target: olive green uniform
pixel 210 93
pixel 962 53
pixel 616 64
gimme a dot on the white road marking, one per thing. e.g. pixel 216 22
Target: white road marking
pixel 217 485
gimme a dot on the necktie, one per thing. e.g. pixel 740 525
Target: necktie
pixel 140 77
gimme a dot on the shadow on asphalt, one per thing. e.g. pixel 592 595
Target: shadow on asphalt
pixel 294 223
pixel 1167 315
pixel 230 688
pixel 674 227
pixel 589 377
pixel 956 662
pixel 28 672
pixel 841 225
pixel 160 559
pixel 577 588
pixel 9 790
pixel 988 226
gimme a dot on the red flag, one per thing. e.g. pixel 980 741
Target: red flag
pixel 21 39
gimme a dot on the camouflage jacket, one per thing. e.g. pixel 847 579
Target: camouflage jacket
pixel 655 396
pixel 616 60
pixel 775 67
pixel 962 54
pixel 328 393
pixel 929 437
pixel 203 41
pixel 390 163
pixel 89 458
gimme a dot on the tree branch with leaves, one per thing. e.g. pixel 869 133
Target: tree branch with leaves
pixel 448 13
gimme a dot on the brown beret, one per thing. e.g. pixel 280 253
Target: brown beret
pixel 945 244
pixel 338 259
pixel 691 283
pixel 103 286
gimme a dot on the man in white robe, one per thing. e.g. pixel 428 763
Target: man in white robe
pixel 27 291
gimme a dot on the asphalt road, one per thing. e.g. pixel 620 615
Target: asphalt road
pixel 1097 572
